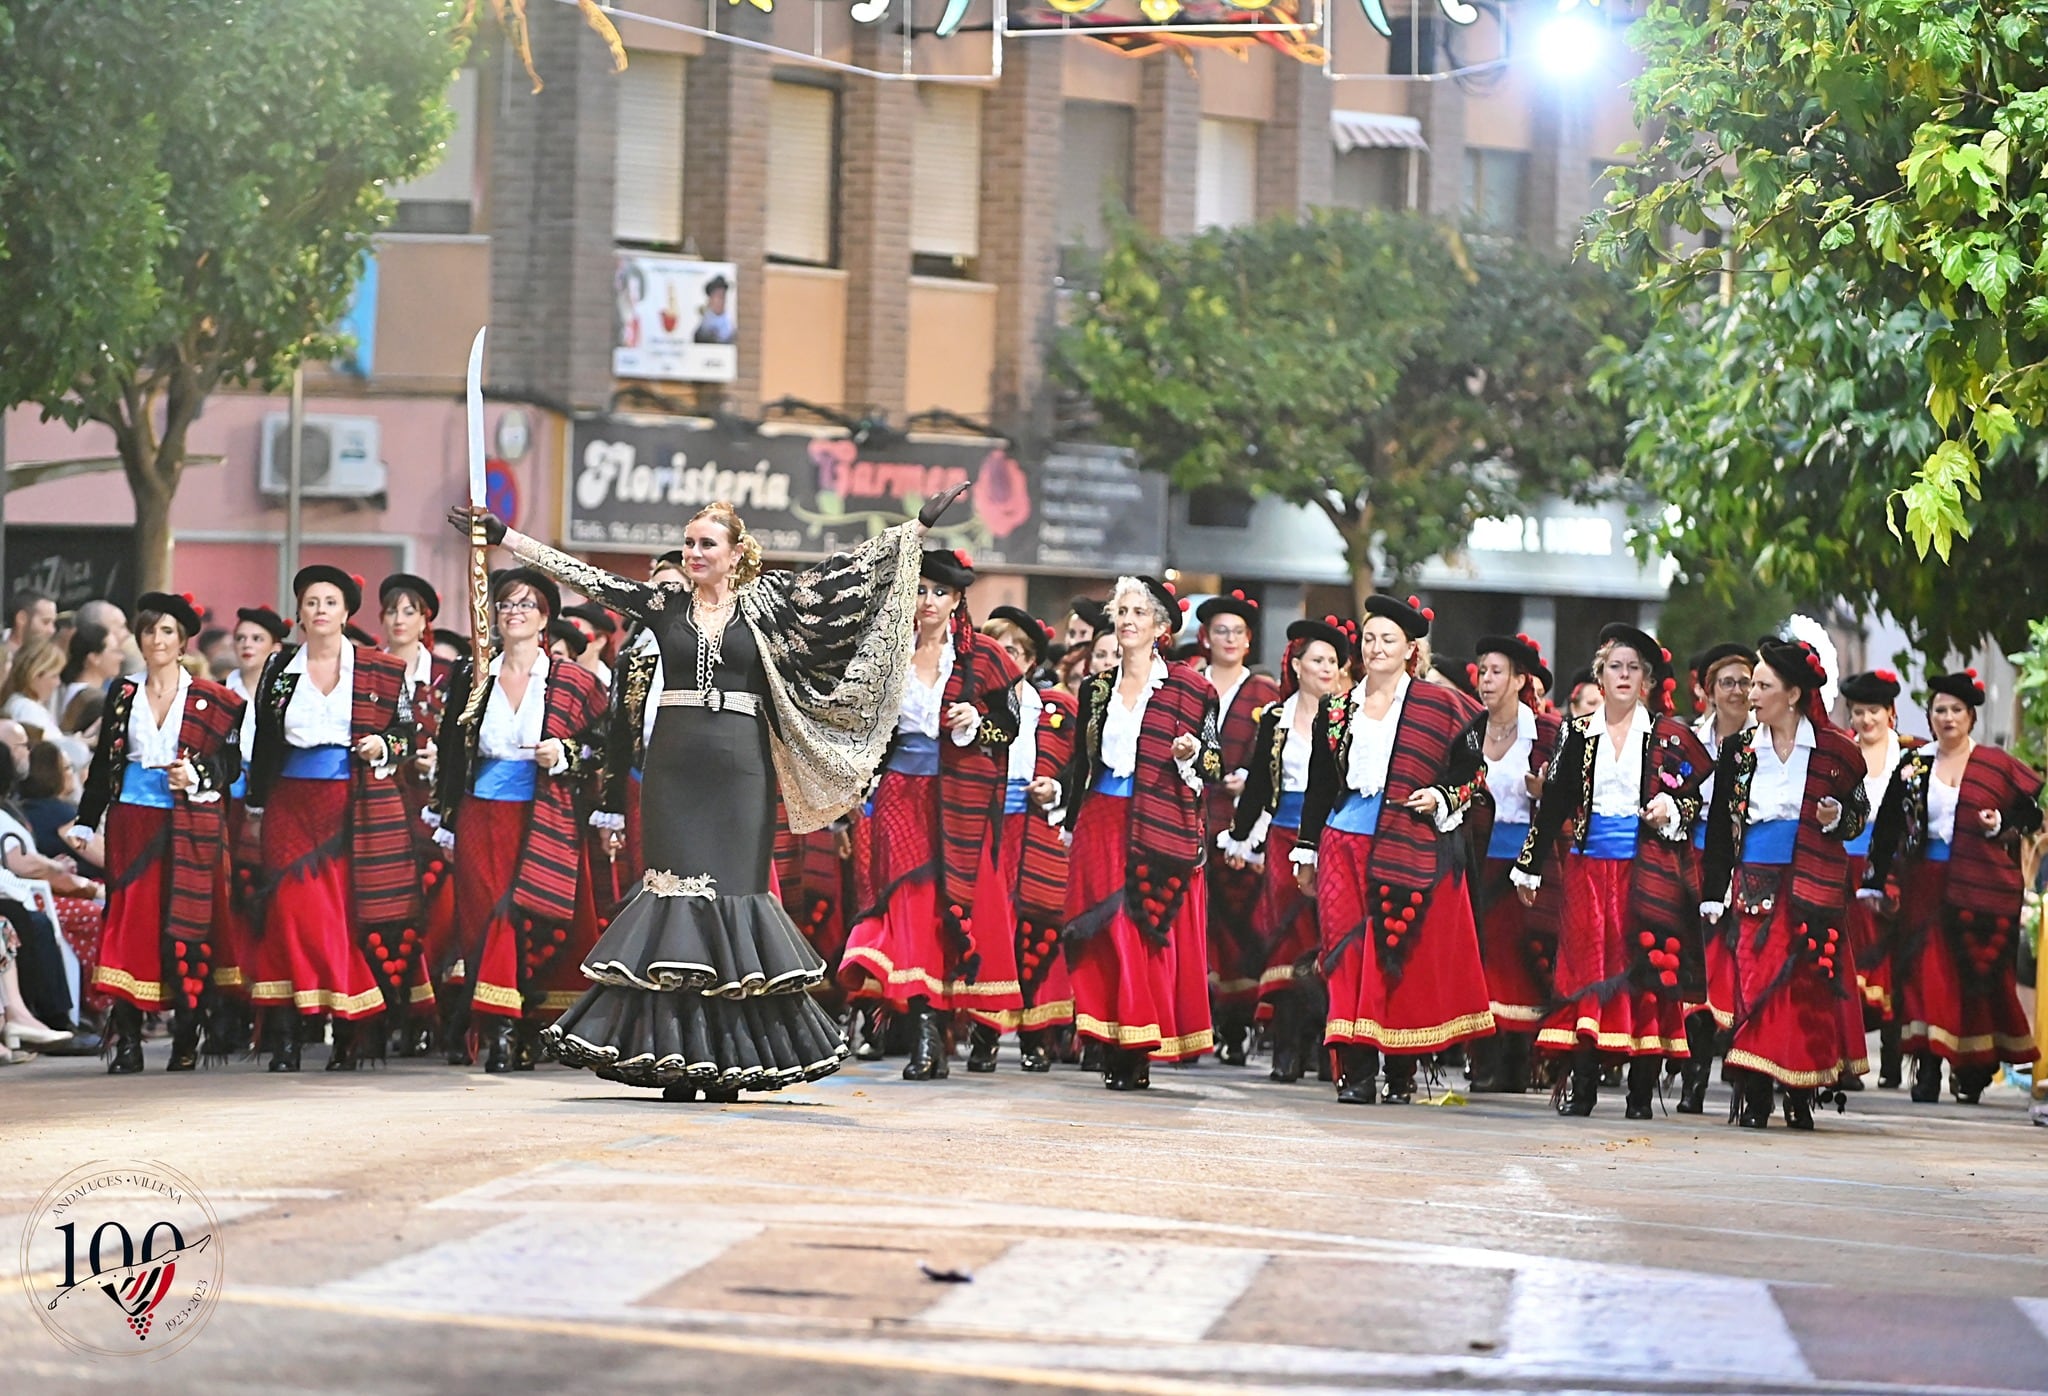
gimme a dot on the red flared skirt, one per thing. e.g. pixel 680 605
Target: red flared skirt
pixel 1594 953
pixel 1437 998
pixel 901 951
pixel 1797 1023
pixel 306 953
pixel 489 835
pixel 131 964
pixel 1517 956
pixel 1041 965
pixel 1871 935
pixel 1236 954
pixel 234 938
pixel 1285 921
pixel 1970 1017
pixel 1128 991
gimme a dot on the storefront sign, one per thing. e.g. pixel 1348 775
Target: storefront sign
pixel 71 565
pixel 635 483
pixel 675 319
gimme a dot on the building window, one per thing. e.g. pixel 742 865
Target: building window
pixel 1095 178
pixel 647 197
pixel 1416 47
pixel 1227 176
pixel 802 194
pixel 1493 189
pixel 945 173
pixel 1370 179
pixel 443 200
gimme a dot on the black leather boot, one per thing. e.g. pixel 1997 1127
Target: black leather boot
pixel 1582 1087
pixel 284 1037
pixel 1132 1070
pixel 1400 1080
pixel 1642 1083
pixel 1357 1075
pixel 982 1041
pixel 1286 1034
pixel 1968 1082
pixel 1798 1109
pixel 454 1011
pixel 124 1031
pixel 874 1028
pixel 927 1046
pixel 343 1057
pixel 1926 1078
pixel 1698 1071
pixel 1757 1092
pixel 1033 1053
pixel 184 1040
pixel 497 1038
pixel 1231 1029
pixel 1889 1059
pixel 1514 1062
pixel 1482 1061
pixel 526 1053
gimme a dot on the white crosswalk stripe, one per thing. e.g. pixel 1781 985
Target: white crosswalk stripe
pixel 1662 1322
pixel 1081 1289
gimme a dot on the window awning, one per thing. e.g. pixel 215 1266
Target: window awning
pixel 1372 130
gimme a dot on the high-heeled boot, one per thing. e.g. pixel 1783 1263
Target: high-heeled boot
pixel 526 1050
pixel 1483 1057
pixel 1033 1054
pixel 184 1040
pixel 1400 1080
pixel 1698 1071
pixel 1757 1092
pixel 497 1038
pixel 1798 1108
pixel 1642 1083
pixel 928 1044
pixel 1514 1062
pixel 1286 1034
pixel 454 1013
pixel 1231 1030
pixel 1926 1078
pixel 1890 1060
pixel 982 1042
pixel 124 1032
pixel 283 1026
pixel 1357 1075
pixel 1582 1087
pixel 343 1057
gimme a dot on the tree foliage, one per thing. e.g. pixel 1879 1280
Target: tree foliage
pixel 206 224
pixel 1403 379
pixel 1897 146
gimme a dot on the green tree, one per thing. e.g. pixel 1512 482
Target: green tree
pixel 1403 379
pixel 1898 146
pixel 208 226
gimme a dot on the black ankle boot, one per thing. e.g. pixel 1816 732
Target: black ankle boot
pixel 1926 1078
pixel 1357 1073
pixel 124 1031
pixel 1798 1109
pixel 982 1041
pixel 1582 1087
pixel 1642 1082
pixel 184 1040
pixel 1483 1057
pixel 455 1031
pixel 1230 1034
pixel 1698 1071
pixel 928 1044
pixel 1968 1082
pixel 1514 1062
pixel 343 1057
pixel 874 1028
pixel 1756 1093
pixel 1400 1081
pixel 1889 1058
pixel 1286 1034
pixel 498 1045
pixel 1126 1070
pixel 1032 1052
pixel 284 1034
pixel 526 1052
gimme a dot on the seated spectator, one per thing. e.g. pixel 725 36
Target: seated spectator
pixel 81 718
pixel 31 687
pixel 91 663
pixel 35 995
pixel 49 800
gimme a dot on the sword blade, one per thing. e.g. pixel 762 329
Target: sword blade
pixel 478 489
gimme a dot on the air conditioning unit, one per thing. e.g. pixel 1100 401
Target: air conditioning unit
pixel 339 458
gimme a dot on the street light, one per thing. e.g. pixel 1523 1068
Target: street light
pixel 1569 45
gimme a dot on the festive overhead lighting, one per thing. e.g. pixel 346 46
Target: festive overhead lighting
pixel 1569 45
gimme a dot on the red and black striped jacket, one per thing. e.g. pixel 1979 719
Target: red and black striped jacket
pixel 209 736
pixel 552 857
pixel 1238 732
pixel 1820 864
pixel 382 864
pixel 1168 821
pixel 1675 763
pixel 1983 873
pixel 1436 748
pixel 1042 876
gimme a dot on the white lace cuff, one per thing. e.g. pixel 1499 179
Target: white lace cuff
pixel 1713 911
pixel 599 819
pixel 204 797
pixel 1445 818
pixel 430 817
pixel 1869 894
pixel 1302 857
pixel 1528 882
pixel 445 837
pixel 1245 849
pixel 1188 772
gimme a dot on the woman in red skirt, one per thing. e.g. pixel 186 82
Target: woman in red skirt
pixel 1788 793
pixel 1629 774
pixel 1136 931
pixel 338 925
pixel 1392 767
pixel 1032 861
pixel 1518 943
pixel 504 800
pixel 1950 819
pixel 408 606
pixel 258 633
pixel 934 930
pixel 166 757
pixel 1319 659
pixel 1874 722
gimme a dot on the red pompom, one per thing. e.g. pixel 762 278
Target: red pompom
pixel 1183 605
pixel 1429 614
pixel 1237 595
pixel 1415 601
pixel 1648 939
pixel 1971 672
pixel 960 556
pixel 1415 899
pixel 357 578
pixel 189 598
pixel 1666 653
pixel 1668 979
pixel 560 936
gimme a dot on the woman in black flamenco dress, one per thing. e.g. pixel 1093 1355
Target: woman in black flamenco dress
pixel 780 679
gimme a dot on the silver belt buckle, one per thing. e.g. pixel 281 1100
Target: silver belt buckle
pixel 714 699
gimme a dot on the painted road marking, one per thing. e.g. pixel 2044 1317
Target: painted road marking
pixel 1084 1289
pixel 1667 1323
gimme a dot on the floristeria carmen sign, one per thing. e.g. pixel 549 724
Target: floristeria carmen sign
pixel 634 484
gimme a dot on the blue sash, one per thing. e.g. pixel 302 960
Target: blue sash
pixel 1612 837
pixel 1507 840
pixel 1288 815
pixel 1017 797
pixel 1937 850
pixel 512 782
pixel 1119 786
pixel 1769 844
pixel 240 789
pixel 1699 835
pixel 150 788
pixel 315 763
pixel 1359 814
pixel 635 774
pixel 915 755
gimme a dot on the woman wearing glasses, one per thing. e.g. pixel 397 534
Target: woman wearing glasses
pixel 791 679
pixel 504 799
pixel 1628 776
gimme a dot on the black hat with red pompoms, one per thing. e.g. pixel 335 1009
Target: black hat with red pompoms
pixel 1966 686
pixel 1168 599
pixel 1234 603
pixel 178 606
pixel 1794 662
pixel 1521 651
pixel 1411 615
pixel 949 567
pixel 1330 630
pixel 349 585
pixel 1037 633
pixel 1878 688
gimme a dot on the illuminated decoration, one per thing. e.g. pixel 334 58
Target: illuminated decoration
pixel 511 17
pixel 1456 11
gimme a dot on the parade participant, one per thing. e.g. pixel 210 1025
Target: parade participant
pixel 1628 777
pixel 1236 951
pixel 449 646
pixel 565 640
pixel 504 800
pixel 167 754
pixel 408 606
pixel 1260 840
pixel 629 730
pixel 1086 630
pixel 338 914
pixel 1874 722
pixel 1787 793
pixel 1517 943
pixel 258 633
pixel 1720 689
pixel 1951 817
pixel 794 680
pixel 1033 859
pixel 1392 767
pixel 1582 695
pixel 598 624
pixel 1137 910
pixel 933 929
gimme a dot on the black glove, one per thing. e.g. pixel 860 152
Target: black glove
pixel 935 509
pixel 462 515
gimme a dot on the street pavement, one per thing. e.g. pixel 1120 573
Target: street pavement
pixel 423 1229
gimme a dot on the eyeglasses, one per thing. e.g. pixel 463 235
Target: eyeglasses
pixel 1229 632
pixel 1729 683
pixel 520 605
